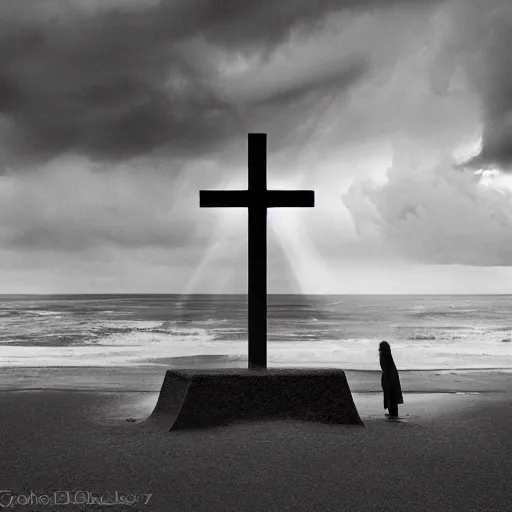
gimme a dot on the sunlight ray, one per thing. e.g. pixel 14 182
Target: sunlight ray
pixel 230 225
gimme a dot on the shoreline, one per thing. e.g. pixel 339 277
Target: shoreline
pixel 244 365
pixel 150 378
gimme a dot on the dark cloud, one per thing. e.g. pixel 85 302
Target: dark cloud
pixel 62 94
pixel 338 80
pixel 110 80
pixel 69 207
pixel 481 41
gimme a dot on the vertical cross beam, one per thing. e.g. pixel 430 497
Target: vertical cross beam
pixel 257 297
pixel 257 199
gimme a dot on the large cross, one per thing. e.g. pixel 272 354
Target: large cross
pixel 257 199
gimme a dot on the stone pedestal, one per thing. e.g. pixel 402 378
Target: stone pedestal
pixel 203 398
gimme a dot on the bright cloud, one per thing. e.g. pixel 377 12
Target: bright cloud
pixel 434 213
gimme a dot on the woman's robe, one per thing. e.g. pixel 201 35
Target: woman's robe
pixel 390 380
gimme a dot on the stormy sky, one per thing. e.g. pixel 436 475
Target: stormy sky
pixel 115 113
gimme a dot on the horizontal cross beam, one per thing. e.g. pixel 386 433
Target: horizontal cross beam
pixel 267 198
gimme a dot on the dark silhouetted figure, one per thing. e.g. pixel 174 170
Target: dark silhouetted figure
pixel 390 380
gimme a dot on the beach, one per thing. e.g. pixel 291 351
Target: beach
pixel 65 430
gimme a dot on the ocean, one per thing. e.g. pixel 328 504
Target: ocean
pixel 424 331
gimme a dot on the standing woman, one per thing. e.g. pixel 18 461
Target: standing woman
pixel 390 380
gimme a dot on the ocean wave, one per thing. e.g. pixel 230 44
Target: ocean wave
pixel 147 335
pixel 357 353
pixel 44 313
pixel 501 328
pixel 12 312
pixel 419 326
pixel 439 314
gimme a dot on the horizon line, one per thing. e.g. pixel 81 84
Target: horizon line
pixel 268 294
